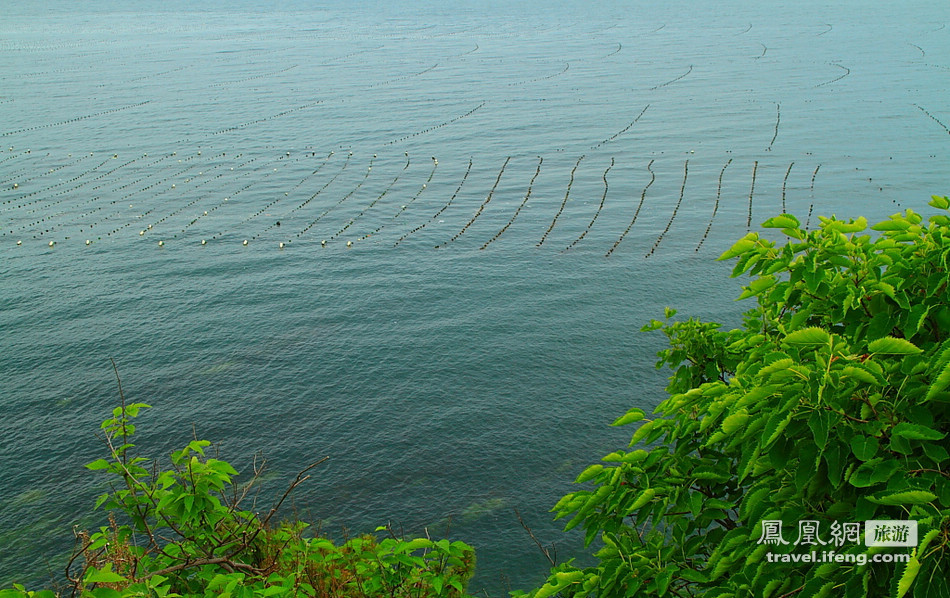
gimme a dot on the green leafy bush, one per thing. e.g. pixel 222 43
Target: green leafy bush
pixel 183 532
pixel 829 406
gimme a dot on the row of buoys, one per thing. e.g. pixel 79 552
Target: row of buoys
pixel 162 183
pixel 186 197
pixel 847 72
pixel 924 110
pixel 623 130
pixel 481 208
pixel 405 206
pixel 166 189
pixel 778 120
pixel 265 207
pixel 192 189
pixel 672 81
pixel 785 184
pixel 404 77
pixel 53 170
pixel 617 51
pixel 344 198
pixel 643 197
pixel 321 189
pixel 764 50
pixel 746 30
pixel 234 194
pixel 715 206
pixel 39 192
pixel 603 199
pixel 567 194
pixel 676 209
pixel 829 28
pixel 748 224
pixel 375 201
pixel 567 67
pixel 254 77
pixel 527 195
pixel 439 126
pixel 442 209
pixel 87 202
pixel 922 53
pixel 73 120
pixel 266 118
pixel 287 194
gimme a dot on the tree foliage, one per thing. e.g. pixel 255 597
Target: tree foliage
pixel 183 531
pixel 829 405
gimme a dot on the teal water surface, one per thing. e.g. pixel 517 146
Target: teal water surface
pixel 418 238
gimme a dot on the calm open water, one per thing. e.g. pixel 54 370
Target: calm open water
pixel 522 188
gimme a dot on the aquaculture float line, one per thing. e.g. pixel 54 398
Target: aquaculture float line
pixel 676 209
pixel 405 206
pixel 517 211
pixel 748 223
pixel 715 206
pixel 481 208
pixel 643 196
pixel 567 194
pixel 442 209
pixel 603 199
pixel 623 130
pixel 374 202
pixel 73 120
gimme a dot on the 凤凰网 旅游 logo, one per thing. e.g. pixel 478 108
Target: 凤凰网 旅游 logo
pixel 850 537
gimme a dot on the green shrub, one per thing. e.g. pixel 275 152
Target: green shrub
pixel 183 532
pixel 828 406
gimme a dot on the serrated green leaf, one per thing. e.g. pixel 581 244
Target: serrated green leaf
pixel 782 221
pixel 589 473
pixel 916 432
pixel 907 577
pixel 634 415
pixel 893 346
pixel 895 224
pixel 808 337
pixel 907 497
pixel 734 422
pixel 104 575
pixel 941 203
pixel 940 383
pixel 741 246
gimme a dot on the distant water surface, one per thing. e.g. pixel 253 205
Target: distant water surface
pixel 506 195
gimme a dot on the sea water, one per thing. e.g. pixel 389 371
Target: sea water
pixel 418 238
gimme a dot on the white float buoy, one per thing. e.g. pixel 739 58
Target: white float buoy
pixel 349 243
pixel 281 245
pixel 51 243
pixel 149 227
pixel 19 242
pixel 203 242
pixel 141 232
pixel 88 242
pixel 323 242
pixel 206 212
pixel 16 185
pixel 245 242
pixel 161 243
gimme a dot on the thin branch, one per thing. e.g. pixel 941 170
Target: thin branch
pixel 536 541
